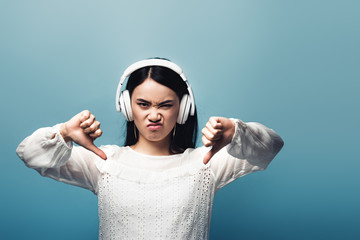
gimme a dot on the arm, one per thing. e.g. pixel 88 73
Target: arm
pixel 47 152
pixel 251 148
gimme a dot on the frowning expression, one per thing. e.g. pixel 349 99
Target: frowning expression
pixel 155 109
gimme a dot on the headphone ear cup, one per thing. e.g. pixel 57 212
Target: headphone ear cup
pixel 184 109
pixel 125 105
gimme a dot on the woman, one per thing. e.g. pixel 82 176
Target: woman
pixel 157 186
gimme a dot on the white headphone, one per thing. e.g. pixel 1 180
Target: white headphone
pixel 123 102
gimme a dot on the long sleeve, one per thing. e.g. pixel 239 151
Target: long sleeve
pixel 252 148
pixel 47 152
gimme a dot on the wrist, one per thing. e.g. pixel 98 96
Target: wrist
pixel 232 129
pixel 64 132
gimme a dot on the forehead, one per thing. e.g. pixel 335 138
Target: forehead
pixel 151 90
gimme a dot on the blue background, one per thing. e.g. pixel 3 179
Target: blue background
pixel 291 65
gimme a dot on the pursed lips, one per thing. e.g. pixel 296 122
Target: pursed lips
pixel 154 126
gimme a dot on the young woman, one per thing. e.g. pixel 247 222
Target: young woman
pixel 158 186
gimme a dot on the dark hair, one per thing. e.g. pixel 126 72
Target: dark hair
pixel 185 134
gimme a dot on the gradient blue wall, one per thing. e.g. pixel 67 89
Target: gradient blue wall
pixel 291 65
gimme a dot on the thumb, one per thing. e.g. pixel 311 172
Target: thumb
pixel 91 146
pixel 210 153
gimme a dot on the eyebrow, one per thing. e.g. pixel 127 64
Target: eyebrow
pixel 161 103
pixel 142 100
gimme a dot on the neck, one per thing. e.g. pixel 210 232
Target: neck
pixel 158 148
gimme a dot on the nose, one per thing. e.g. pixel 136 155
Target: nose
pixel 154 115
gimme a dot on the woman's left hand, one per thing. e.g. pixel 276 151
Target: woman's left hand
pixel 217 133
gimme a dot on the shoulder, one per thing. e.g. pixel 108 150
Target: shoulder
pixel 195 151
pixel 195 154
pixel 113 151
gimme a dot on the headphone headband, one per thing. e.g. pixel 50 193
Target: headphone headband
pixel 151 62
pixel 154 62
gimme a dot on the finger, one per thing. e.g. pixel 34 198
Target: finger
pixel 206 142
pixel 215 122
pixel 100 153
pixel 96 134
pixel 96 150
pixel 88 122
pixel 91 129
pixel 84 115
pixel 209 135
pixel 211 153
pixel 214 131
pixel 208 156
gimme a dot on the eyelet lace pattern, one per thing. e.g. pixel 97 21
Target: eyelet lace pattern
pixel 176 208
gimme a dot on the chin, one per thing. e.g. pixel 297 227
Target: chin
pixel 156 137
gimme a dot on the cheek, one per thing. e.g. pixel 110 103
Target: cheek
pixel 137 114
pixel 173 115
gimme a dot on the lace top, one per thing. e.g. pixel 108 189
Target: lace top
pixel 151 197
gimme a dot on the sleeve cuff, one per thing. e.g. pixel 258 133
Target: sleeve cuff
pixel 239 126
pixel 59 137
pixel 234 147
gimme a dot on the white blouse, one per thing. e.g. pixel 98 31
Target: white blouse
pixel 151 197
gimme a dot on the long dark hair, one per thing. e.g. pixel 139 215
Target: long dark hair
pixel 185 134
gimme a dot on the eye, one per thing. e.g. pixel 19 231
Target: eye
pixel 142 104
pixel 166 105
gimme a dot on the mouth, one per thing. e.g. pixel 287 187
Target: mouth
pixel 154 126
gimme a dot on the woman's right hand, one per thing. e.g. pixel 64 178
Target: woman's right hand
pixel 83 129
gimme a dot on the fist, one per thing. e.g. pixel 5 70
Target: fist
pixel 217 133
pixel 83 129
